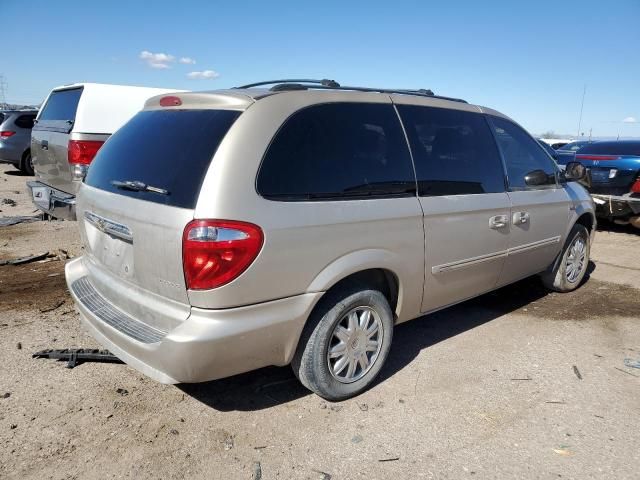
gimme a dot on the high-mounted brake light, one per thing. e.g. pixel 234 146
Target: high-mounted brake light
pixel 584 156
pixel 170 101
pixel 6 133
pixel 82 151
pixel 215 252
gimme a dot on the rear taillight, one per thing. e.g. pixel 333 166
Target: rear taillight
pixel 215 252
pixel 6 133
pixel 82 152
pixel 635 188
pixel 584 156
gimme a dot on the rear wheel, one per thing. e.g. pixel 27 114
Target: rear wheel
pixel 26 165
pixel 345 343
pixel 570 268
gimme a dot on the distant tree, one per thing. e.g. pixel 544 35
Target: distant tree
pixel 548 134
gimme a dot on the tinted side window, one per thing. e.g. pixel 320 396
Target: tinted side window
pixel 62 105
pixel 338 150
pixel 522 154
pixel 25 121
pixel 454 151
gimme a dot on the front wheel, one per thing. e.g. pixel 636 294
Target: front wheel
pixel 345 343
pixel 570 268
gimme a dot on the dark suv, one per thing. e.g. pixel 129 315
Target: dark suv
pixel 15 138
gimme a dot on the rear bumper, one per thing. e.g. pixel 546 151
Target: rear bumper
pixel 59 205
pixel 10 153
pixel 208 345
pixel 616 206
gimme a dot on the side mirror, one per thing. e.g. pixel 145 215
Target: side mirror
pixel 575 171
pixel 536 177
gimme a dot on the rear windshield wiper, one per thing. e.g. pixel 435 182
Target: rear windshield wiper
pixel 138 186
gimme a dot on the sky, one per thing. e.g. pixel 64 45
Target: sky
pixel 529 60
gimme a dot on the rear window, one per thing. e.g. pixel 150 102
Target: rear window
pixel 62 105
pixel 612 148
pixel 25 121
pixel 166 149
pixel 1 117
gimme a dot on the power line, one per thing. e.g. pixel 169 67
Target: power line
pixel 3 92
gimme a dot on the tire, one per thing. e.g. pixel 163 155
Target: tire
pixel 567 274
pixel 326 329
pixel 26 164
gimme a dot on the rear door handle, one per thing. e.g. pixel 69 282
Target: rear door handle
pixel 44 144
pixel 520 218
pixel 499 221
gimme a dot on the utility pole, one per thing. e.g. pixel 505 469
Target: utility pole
pixel 584 91
pixel 3 92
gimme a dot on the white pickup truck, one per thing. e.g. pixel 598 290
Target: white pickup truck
pixel 72 125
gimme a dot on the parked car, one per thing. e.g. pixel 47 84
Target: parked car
pixel 615 178
pixel 72 125
pixel 305 223
pixel 15 138
pixel 567 153
pixel 556 143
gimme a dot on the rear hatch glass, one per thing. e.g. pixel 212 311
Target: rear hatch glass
pixel 61 105
pixel 1 118
pixel 165 151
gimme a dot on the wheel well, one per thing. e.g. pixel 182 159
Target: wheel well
pixel 586 219
pixel 385 281
pixel 24 155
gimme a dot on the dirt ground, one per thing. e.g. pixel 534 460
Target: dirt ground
pixel 518 383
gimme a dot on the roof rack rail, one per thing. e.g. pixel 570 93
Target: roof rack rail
pixel 325 84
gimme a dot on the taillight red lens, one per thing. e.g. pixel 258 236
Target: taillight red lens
pixel 215 252
pixel 635 188
pixel 82 151
pixel 6 133
pixel 584 156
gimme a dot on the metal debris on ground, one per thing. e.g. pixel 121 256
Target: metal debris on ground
pixel 577 372
pixel 23 260
pixel 76 356
pixel 323 475
pixel 8 221
pixel 57 305
pixel 391 459
pixel 257 471
pixel 631 363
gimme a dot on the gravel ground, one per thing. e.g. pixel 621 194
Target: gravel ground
pixel 518 383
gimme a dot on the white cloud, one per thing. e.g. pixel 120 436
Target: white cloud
pixel 157 60
pixel 205 74
pixel 630 120
pixel 187 60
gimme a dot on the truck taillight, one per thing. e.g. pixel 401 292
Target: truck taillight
pixel 82 152
pixel 215 252
pixel 635 188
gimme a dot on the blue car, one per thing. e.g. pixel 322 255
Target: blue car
pixel 614 169
pixel 567 153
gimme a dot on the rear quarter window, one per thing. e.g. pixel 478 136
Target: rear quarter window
pixel 25 121
pixel 338 151
pixel 166 149
pixel 61 105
